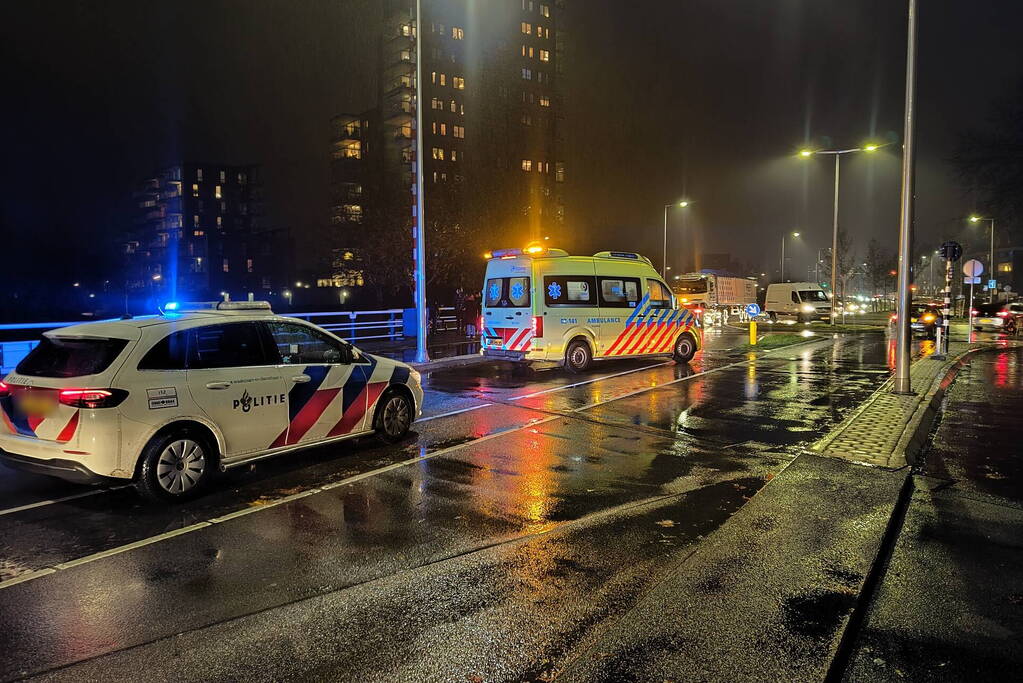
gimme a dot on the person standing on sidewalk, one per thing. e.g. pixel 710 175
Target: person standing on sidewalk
pixel 459 305
pixel 472 315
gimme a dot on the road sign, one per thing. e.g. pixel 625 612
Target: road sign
pixel 752 310
pixel 971 280
pixel 991 284
pixel 973 268
pixel 951 251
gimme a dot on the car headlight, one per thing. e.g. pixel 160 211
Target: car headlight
pixel 808 308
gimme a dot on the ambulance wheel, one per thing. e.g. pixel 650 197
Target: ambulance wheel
pixel 176 465
pixel 685 348
pixel 578 356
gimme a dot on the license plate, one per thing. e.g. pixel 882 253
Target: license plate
pixel 987 321
pixel 497 343
pixel 36 405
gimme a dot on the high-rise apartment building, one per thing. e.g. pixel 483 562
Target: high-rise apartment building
pixel 199 232
pixel 492 138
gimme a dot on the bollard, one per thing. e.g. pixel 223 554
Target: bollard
pixel 753 332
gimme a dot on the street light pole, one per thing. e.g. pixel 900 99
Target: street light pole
pixel 664 258
pixel 834 247
pixel 902 383
pixel 419 278
pixel 783 236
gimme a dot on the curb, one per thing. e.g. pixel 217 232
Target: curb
pixel 453 361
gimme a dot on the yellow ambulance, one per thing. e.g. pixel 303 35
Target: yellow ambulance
pixel 542 304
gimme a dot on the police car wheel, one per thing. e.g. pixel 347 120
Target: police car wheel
pixel 578 356
pixel 394 417
pixel 175 466
pixel 685 349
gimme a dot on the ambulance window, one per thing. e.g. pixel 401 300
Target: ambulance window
pixel 569 290
pixel 660 297
pixel 619 292
pixel 494 291
pixel 518 291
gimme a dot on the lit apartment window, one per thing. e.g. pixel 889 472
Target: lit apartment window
pixel 242 179
pixel 457 33
pixel 195 189
pixel 454 107
pixel 523 50
pixel 527 74
pixel 444 177
pixel 545 55
pixel 433 76
pixel 527 28
pixel 223 176
pixel 438 153
pixel 545 10
pixel 248 264
pixel 198 233
pixel 454 155
pixel 220 221
pixel 227 266
pixel 527 120
pixel 458 82
pixel 1004 267
pixel 545 101
pixel 527 164
pixel 461 110
pixel 198 174
pixel 195 221
pixel 459 131
pixel 217 193
pixel 443 79
pixel 436 104
pixel 559 171
pixel 443 129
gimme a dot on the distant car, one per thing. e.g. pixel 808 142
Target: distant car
pixel 925 319
pixel 166 401
pixel 998 317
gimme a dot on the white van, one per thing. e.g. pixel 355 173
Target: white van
pixel 804 301
pixel 543 305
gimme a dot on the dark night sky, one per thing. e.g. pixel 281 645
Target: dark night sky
pixel 707 98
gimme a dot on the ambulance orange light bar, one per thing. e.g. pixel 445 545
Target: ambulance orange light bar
pixel 535 249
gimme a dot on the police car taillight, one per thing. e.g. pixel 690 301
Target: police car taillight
pixel 537 326
pixel 5 391
pixel 92 398
pixel 1002 314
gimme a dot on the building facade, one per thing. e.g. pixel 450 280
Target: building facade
pixel 199 233
pixel 492 139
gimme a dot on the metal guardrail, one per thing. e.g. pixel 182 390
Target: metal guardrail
pixel 354 326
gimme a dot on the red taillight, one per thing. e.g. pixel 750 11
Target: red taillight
pixel 537 326
pixel 893 318
pixel 973 311
pixel 1002 314
pixel 479 330
pixel 91 398
pixel 5 391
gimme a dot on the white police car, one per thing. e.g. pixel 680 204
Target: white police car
pixel 169 400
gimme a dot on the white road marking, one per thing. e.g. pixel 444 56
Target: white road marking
pixel 343 482
pixel 42 503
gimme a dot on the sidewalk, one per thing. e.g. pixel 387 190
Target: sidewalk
pixel 950 603
pixel 780 591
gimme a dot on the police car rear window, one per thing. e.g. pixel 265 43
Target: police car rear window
pixel 67 357
pixel 507 292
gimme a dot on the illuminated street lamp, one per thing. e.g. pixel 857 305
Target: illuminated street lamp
pixel 784 235
pixel 991 256
pixel 664 262
pixel 838 154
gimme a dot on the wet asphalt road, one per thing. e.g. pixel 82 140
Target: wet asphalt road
pixel 526 512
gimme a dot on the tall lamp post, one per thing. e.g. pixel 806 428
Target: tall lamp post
pixel 419 276
pixel 784 235
pixel 664 261
pixel 838 154
pixel 991 254
pixel 903 337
